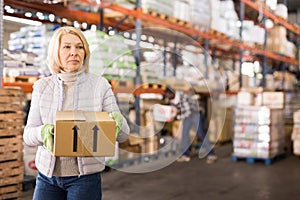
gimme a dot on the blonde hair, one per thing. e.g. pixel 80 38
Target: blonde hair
pixel 52 60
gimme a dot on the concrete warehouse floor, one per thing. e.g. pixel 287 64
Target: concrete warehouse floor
pixel 223 180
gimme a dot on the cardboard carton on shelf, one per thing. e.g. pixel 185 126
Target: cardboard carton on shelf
pixel 176 84
pixel 274 100
pixel 81 133
pixel 123 86
pixel 164 113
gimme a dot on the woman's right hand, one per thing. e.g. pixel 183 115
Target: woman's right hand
pixel 48 136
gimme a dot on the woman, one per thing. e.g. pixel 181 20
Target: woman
pixel 71 87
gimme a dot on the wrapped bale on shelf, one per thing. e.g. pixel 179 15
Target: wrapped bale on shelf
pixel 112 58
pixel 200 12
pixel 11 143
pixel 277 39
pixel 182 10
pixel 29 45
pixel 161 6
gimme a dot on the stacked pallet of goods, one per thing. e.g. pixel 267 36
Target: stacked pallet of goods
pixel 11 143
pixel 259 126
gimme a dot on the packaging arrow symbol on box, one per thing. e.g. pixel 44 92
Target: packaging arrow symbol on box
pixel 75 138
pixel 95 139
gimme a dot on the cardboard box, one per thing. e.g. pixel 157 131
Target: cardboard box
pixel 176 84
pixel 274 100
pixel 164 113
pixel 80 133
pixel 245 98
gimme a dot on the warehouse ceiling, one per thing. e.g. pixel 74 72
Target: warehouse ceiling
pixel 88 11
pixel 293 5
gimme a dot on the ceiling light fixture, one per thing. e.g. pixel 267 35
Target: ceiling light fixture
pixel 76 24
pixel 28 14
pixel 93 27
pixel 51 17
pixel 84 25
pixel 22 21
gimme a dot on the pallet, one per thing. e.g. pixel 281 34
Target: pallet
pixel 11 95
pixel 11 178
pixel 153 86
pixel 10 99
pixel 11 191
pixel 11 111
pixel 11 91
pixel 8 116
pixel 24 79
pixel 252 160
pixel 167 18
pixel 11 148
pixel 200 28
pixel 11 172
pixel 12 124
pixel 11 132
pixel 156 14
pixel 11 142
pixel 258 46
pixel 179 22
pixel 217 33
pixel 10 107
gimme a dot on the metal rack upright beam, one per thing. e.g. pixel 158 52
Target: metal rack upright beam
pixel 265 59
pixel 101 24
pixel 206 54
pixel 174 57
pixel 138 31
pixel 241 52
pixel 165 57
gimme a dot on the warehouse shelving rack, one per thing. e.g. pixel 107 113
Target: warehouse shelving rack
pixel 239 46
pixel 149 18
pixel 261 7
pixel 138 13
pixel 272 16
pixel 209 40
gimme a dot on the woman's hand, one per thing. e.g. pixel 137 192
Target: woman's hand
pixel 48 136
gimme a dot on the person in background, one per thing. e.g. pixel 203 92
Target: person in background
pixel 188 111
pixel 70 87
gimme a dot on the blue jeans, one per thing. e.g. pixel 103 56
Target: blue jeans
pixel 71 188
pixel 194 120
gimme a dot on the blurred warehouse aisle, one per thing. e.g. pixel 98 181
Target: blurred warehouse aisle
pixel 223 180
